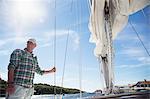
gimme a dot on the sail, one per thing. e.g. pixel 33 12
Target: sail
pixel 107 19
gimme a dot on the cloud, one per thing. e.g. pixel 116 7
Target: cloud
pixel 46 45
pixel 134 65
pixel 18 38
pixel 133 52
pixel 129 35
pixel 76 39
pixel 51 34
pixel 60 34
pixel 4 52
pixel 137 54
pixel 3 73
pixel 126 37
pixel 2 42
pixel 144 59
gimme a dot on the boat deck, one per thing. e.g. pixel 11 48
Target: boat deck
pixel 138 95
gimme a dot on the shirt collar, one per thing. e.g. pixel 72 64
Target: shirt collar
pixel 28 52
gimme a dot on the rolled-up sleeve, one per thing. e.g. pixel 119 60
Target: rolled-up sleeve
pixel 15 58
pixel 38 70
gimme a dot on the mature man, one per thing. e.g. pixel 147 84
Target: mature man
pixel 21 69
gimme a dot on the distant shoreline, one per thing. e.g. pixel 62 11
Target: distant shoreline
pixel 41 89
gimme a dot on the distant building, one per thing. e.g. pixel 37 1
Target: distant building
pixel 139 86
pixel 142 85
pixel 98 91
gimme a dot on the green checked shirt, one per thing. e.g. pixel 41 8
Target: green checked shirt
pixel 25 65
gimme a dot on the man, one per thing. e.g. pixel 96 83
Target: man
pixel 21 70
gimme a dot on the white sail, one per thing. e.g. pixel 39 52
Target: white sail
pixel 104 31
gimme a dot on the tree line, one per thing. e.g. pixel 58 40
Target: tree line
pixel 40 89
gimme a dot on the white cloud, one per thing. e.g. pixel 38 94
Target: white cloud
pixel 50 34
pixel 18 38
pixel 144 59
pixel 126 36
pixel 76 39
pixel 137 54
pixel 3 74
pixel 60 34
pixel 2 43
pixel 46 45
pixel 134 65
pixel 133 52
pixel 4 52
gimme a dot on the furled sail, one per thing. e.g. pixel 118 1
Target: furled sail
pixel 107 19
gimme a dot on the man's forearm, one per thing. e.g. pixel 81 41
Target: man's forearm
pixel 47 71
pixel 50 71
pixel 10 75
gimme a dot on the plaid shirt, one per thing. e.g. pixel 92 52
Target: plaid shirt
pixel 25 66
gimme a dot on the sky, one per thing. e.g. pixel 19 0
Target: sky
pixel 24 19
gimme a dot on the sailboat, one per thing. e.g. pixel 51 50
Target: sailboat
pixel 107 19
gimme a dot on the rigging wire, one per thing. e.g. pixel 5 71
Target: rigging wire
pixel 71 5
pixel 55 51
pixel 139 38
pixel 64 66
pixel 80 50
pixel 146 17
pixel 66 49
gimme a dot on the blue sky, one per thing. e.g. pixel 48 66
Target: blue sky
pixel 24 19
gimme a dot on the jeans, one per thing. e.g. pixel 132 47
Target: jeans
pixel 21 93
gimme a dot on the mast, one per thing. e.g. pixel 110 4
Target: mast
pixel 107 19
pixel 107 61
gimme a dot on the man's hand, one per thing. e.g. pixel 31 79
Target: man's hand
pixel 53 70
pixel 50 71
pixel 10 89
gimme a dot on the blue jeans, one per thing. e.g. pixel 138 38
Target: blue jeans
pixel 21 93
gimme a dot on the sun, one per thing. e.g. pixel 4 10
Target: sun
pixel 27 11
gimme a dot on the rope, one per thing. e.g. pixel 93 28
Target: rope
pixel 64 65
pixel 108 30
pixel 55 52
pixel 80 53
pixel 145 17
pixel 71 5
pixel 64 62
pixel 139 38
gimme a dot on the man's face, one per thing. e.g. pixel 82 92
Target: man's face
pixel 30 45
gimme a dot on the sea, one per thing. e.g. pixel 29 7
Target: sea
pixel 65 96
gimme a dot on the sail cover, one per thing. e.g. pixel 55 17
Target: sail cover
pixel 100 28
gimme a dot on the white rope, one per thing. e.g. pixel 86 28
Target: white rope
pixel 108 30
pixel 78 9
pixel 64 66
pixel 71 5
pixel 80 56
pixel 146 17
pixel 139 38
pixel 55 52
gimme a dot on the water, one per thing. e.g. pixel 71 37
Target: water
pixel 66 96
